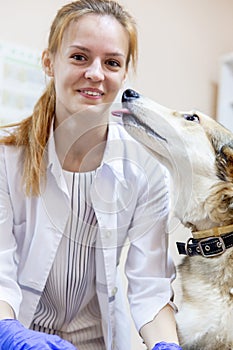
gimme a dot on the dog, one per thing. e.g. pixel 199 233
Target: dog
pixel 198 153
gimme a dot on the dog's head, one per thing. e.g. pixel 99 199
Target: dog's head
pixel 197 151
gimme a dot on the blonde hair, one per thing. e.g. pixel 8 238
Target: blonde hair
pixel 33 133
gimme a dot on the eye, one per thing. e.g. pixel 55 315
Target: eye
pixel 113 63
pixel 78 57
pixel 192 117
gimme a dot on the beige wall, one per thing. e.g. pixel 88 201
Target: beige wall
pixel 181 43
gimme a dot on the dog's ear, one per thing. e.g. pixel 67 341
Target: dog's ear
pixel 219 204
pixel 224 162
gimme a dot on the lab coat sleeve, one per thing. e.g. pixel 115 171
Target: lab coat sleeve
pixel 9 289
pixel 149 269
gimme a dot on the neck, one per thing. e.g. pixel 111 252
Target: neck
pixel 207 207
pixel 84 159
pixel 80 148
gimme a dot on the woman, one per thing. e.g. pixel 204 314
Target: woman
pixel 74 189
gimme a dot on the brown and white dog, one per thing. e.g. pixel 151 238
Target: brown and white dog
pixel 198 152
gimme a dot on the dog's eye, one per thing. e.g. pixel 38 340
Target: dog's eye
pixel 191 117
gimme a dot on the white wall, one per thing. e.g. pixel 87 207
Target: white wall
pixel 181 44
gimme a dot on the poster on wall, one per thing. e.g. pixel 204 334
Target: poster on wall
pixel 22 81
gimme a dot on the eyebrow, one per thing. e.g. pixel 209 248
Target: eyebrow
pixel 83 48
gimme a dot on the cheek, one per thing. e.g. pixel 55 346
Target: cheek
pixel 116 83
pixel 65 74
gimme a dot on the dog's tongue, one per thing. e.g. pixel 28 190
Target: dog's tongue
pixel 120 112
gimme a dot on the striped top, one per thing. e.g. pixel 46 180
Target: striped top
pixel 68 306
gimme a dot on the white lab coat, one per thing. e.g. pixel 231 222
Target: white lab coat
pixel 130 200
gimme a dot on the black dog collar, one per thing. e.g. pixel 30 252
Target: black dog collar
pixel 206 247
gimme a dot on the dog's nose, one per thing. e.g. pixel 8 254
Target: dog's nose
pixel 129 94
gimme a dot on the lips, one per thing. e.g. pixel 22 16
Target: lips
pixel 90 92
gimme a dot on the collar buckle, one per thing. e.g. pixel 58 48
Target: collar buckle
pixel 205 249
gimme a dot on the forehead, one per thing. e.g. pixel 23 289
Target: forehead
pixel 97 30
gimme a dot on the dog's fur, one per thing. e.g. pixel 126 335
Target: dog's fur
pixel 198 152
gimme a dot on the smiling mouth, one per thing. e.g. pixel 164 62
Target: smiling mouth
pixel 91 93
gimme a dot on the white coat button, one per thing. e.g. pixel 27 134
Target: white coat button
pixel 114 291
pixel 108 234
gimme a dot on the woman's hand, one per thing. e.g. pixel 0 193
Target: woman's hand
pixel 14 336
pixel 166 346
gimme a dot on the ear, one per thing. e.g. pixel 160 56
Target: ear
pixel 219 204
pixel 224 162
pixel 47 63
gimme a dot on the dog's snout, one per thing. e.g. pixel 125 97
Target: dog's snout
pixel 129 94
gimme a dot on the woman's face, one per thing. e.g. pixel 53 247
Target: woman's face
pixel 90 67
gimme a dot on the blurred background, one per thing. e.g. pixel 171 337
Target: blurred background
pixel 182 46
pixel 185 60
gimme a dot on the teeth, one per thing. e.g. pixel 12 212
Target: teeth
pixel 92 93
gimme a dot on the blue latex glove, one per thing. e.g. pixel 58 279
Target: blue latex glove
pixel 166 346
pixel 14 336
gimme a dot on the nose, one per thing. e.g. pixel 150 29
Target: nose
pixel 94 71
pixel 128 95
